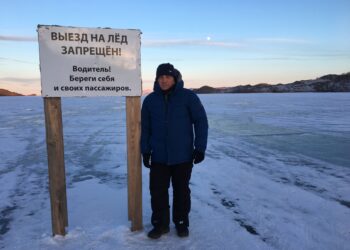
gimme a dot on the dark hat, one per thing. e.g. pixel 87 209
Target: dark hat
pixel 166 69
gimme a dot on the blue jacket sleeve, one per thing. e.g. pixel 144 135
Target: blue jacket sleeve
pixel 145 129
pixel 200 122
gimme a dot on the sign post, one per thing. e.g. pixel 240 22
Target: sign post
pixel 55 155
pixel 133 121
pixel 90 62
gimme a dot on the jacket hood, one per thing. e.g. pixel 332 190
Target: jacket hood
pixel 178 85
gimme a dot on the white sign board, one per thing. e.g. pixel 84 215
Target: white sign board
pixel 89 61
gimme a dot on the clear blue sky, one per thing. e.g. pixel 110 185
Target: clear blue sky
pixel 217 43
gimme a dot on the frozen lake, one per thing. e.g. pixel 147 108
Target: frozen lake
pixel 276 175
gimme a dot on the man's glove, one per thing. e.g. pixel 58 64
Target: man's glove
pixel 146 160
pixel 197 156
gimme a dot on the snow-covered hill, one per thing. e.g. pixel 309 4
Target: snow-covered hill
pixel 327 83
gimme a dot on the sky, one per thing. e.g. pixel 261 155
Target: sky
pixel 216 43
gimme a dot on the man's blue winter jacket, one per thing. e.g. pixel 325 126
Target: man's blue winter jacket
pixel 167 125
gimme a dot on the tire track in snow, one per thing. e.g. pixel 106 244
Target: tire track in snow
pixel 308 174
pixel 31 180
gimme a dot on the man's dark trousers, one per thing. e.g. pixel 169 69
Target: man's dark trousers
pixel 160 176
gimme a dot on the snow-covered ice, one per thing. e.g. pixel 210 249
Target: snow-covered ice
pixel 276 175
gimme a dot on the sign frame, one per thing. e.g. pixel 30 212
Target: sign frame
pixel 55 144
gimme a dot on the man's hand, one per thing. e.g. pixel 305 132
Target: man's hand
pixel 147 160
pixel 198 156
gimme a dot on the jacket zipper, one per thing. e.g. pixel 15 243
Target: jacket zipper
pixel 166 97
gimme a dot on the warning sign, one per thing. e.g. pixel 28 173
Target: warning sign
pixel 89 61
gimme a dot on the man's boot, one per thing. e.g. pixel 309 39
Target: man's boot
pixel 182 229
pixel 160 226
pixel 157 231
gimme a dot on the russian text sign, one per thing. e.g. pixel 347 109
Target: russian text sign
pixel 89 61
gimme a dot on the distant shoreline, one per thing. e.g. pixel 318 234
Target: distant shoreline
pixel 5 92
pixel 313 92
pixel 328 83
pixel 325 84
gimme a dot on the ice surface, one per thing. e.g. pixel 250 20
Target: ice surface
pixel 276 175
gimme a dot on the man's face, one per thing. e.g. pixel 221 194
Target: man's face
pixel 166 82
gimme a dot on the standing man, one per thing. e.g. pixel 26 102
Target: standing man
pixel 174 132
